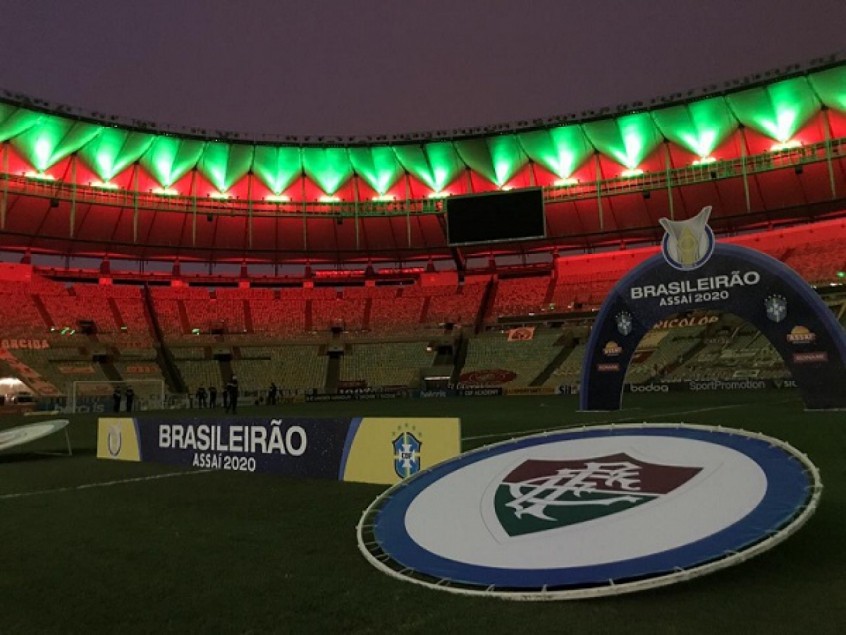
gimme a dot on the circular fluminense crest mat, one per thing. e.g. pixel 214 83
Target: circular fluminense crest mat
pixel 590 512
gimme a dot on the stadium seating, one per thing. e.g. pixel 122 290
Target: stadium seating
pixel 459 305
pixel 521 296
pixel 385 363
pixel 526 358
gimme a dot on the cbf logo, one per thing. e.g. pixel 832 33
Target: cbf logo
pixel 776 307
pixel 406 454
pixel 543 494
pixel 624 322
pixel 688 244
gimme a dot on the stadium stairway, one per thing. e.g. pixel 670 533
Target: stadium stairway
pixel 42 310
pixel 567 347
pixel 113 307
pixel 333 374
pixel 183 317
pixel 461 346
pixel 485 306
pixel 226 371
pixel 164 357
pixel 248 317
pixel 109 370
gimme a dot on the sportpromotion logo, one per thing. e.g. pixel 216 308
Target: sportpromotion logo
pixel 597 511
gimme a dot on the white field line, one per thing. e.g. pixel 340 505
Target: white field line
pixel 597 423
pixel 85 486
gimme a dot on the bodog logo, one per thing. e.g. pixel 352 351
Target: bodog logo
pixel 649 388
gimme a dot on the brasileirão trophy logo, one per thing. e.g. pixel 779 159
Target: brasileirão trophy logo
pixel 688 244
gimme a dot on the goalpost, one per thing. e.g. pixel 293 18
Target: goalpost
pixel 97 396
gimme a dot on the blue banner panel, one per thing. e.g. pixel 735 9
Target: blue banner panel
pixel 312 448
pixel 369 450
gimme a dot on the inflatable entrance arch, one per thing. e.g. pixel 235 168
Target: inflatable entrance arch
pixel 692 273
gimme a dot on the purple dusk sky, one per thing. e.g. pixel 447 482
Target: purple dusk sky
pixel 340 67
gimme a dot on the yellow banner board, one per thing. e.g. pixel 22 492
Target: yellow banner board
pixel 117 439
pixel 385 450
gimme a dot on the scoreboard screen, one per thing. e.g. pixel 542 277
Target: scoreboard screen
pixel 499 217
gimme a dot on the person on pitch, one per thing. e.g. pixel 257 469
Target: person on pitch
pixel 116 399
pixel 130 398
pixel 201 397
pixel 232 388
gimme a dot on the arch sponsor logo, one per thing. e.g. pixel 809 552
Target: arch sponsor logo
pixel 688 244
pixel 649 388
pixel 612 349
pixel 601 510
pixel 801 335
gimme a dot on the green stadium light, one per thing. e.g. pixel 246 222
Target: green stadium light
pixel 778 109
pixel 841 274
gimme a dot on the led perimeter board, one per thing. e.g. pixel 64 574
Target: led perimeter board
pixel 497 217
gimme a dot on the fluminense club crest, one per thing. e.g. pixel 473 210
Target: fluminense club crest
pixel 776 306
pixel 543 494
pixel 624 322
pixel 688 244
pixel 406 454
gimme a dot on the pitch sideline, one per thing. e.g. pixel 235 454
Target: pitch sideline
pixel 85 486
pixel 598 423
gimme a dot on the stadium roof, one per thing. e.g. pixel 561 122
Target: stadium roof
pixel 764 150
pixel 777 108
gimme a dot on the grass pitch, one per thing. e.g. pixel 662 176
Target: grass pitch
pixel 98 546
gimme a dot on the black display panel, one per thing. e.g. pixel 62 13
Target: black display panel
pixel 499 217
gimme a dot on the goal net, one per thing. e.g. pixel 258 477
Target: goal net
pixel 99 396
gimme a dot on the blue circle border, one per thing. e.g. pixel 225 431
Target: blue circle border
pixel 789 489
